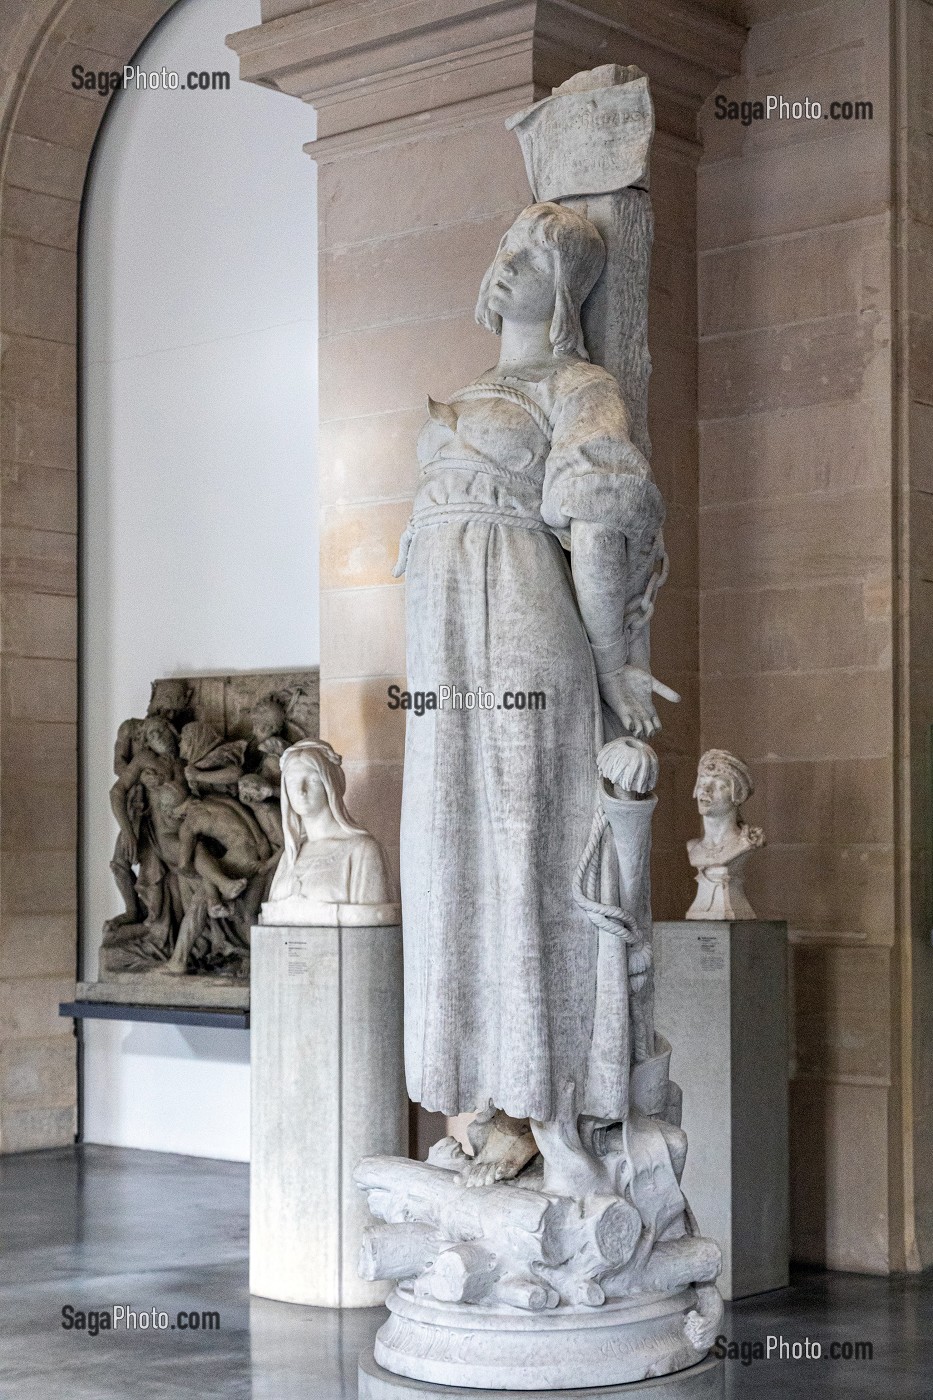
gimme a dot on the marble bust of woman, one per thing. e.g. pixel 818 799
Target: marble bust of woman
pixel 720 854
pixel 332 872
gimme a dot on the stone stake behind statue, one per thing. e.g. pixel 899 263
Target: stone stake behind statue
pixel 721 853
pixel 563 1252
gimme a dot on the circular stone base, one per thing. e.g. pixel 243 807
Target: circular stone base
pixel 462 1345
pixel 705 1381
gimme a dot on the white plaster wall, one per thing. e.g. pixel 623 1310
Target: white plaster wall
pixel 199 543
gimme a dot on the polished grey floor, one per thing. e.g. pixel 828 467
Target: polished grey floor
pixel 97 1226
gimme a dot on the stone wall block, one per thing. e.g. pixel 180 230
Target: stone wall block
pixel 357 720
pixel 47 167
pixel 402 188
pixel 370 458
pixel 807 185
pixel 839 1180
pixel 831 536
pixel 841 1025
pixel 840 357
pixel 816 716
pixel 816 627
pixel 38 370
pixel 38 1073
pixel 38 882
pixel 40 752
pixel 799 277
pixel 37 945
pixel 359 544
pixel 434 272
pixel 362 632
pixel 395 367
pixel 794 451
pixel 41 218
pixel 835 891
pixel 42 560
pixel 38 818
pixel 40 293
pixel 39 689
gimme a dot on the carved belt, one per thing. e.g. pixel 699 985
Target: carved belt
pixel 455 514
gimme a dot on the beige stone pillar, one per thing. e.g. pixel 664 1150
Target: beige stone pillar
pixel 418 178
pixel 815 606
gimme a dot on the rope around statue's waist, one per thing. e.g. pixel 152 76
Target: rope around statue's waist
pixel 458 514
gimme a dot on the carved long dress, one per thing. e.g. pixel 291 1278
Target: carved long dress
pixel 501 995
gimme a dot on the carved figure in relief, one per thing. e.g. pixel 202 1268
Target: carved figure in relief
pixel 170 699
pixel 189 908
pixel 268 742
pixel 212 763
pixel 721 853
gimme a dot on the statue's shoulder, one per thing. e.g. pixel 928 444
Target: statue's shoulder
pixel 575 374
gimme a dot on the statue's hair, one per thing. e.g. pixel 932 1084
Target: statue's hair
pixel 719 763
pixel 581 255
pixel 317 755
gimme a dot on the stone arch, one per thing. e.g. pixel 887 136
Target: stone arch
pixel 47 135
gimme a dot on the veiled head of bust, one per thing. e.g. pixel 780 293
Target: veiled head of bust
pixel 546 266
pixel 312 777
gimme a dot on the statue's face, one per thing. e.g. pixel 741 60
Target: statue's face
pixel 252 790
pixel 161 739
pixel 267 723
pixel 714 796
pixel 306 792
pixel 524 275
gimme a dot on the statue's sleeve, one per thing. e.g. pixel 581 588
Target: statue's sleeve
pixel 594 472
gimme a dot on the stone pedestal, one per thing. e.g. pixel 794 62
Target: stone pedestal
pixel 327 1089
pixel 721 1000
pixel 703 1382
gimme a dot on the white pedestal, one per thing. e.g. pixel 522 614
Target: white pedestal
pixel 721 1001
pixel 328 1088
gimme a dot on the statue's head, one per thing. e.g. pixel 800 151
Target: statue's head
pixel 267 717
pixel 312 779
pixel 545 268
pixel 159 736
pixel 197 740
pixel 253 788
pixel 723 783
pixel 169 698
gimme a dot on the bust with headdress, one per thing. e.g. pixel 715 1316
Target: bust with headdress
pixel 332 871
pixel 721 853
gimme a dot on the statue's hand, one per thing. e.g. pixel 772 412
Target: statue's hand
pixel 628 692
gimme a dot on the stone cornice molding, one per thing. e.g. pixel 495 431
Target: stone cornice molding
pixel 373 67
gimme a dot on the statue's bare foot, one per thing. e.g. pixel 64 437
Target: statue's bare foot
pixel 502 1146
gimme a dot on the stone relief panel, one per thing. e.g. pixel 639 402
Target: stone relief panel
pixel 196 797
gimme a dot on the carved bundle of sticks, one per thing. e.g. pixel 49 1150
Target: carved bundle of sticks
pixel 500 1243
